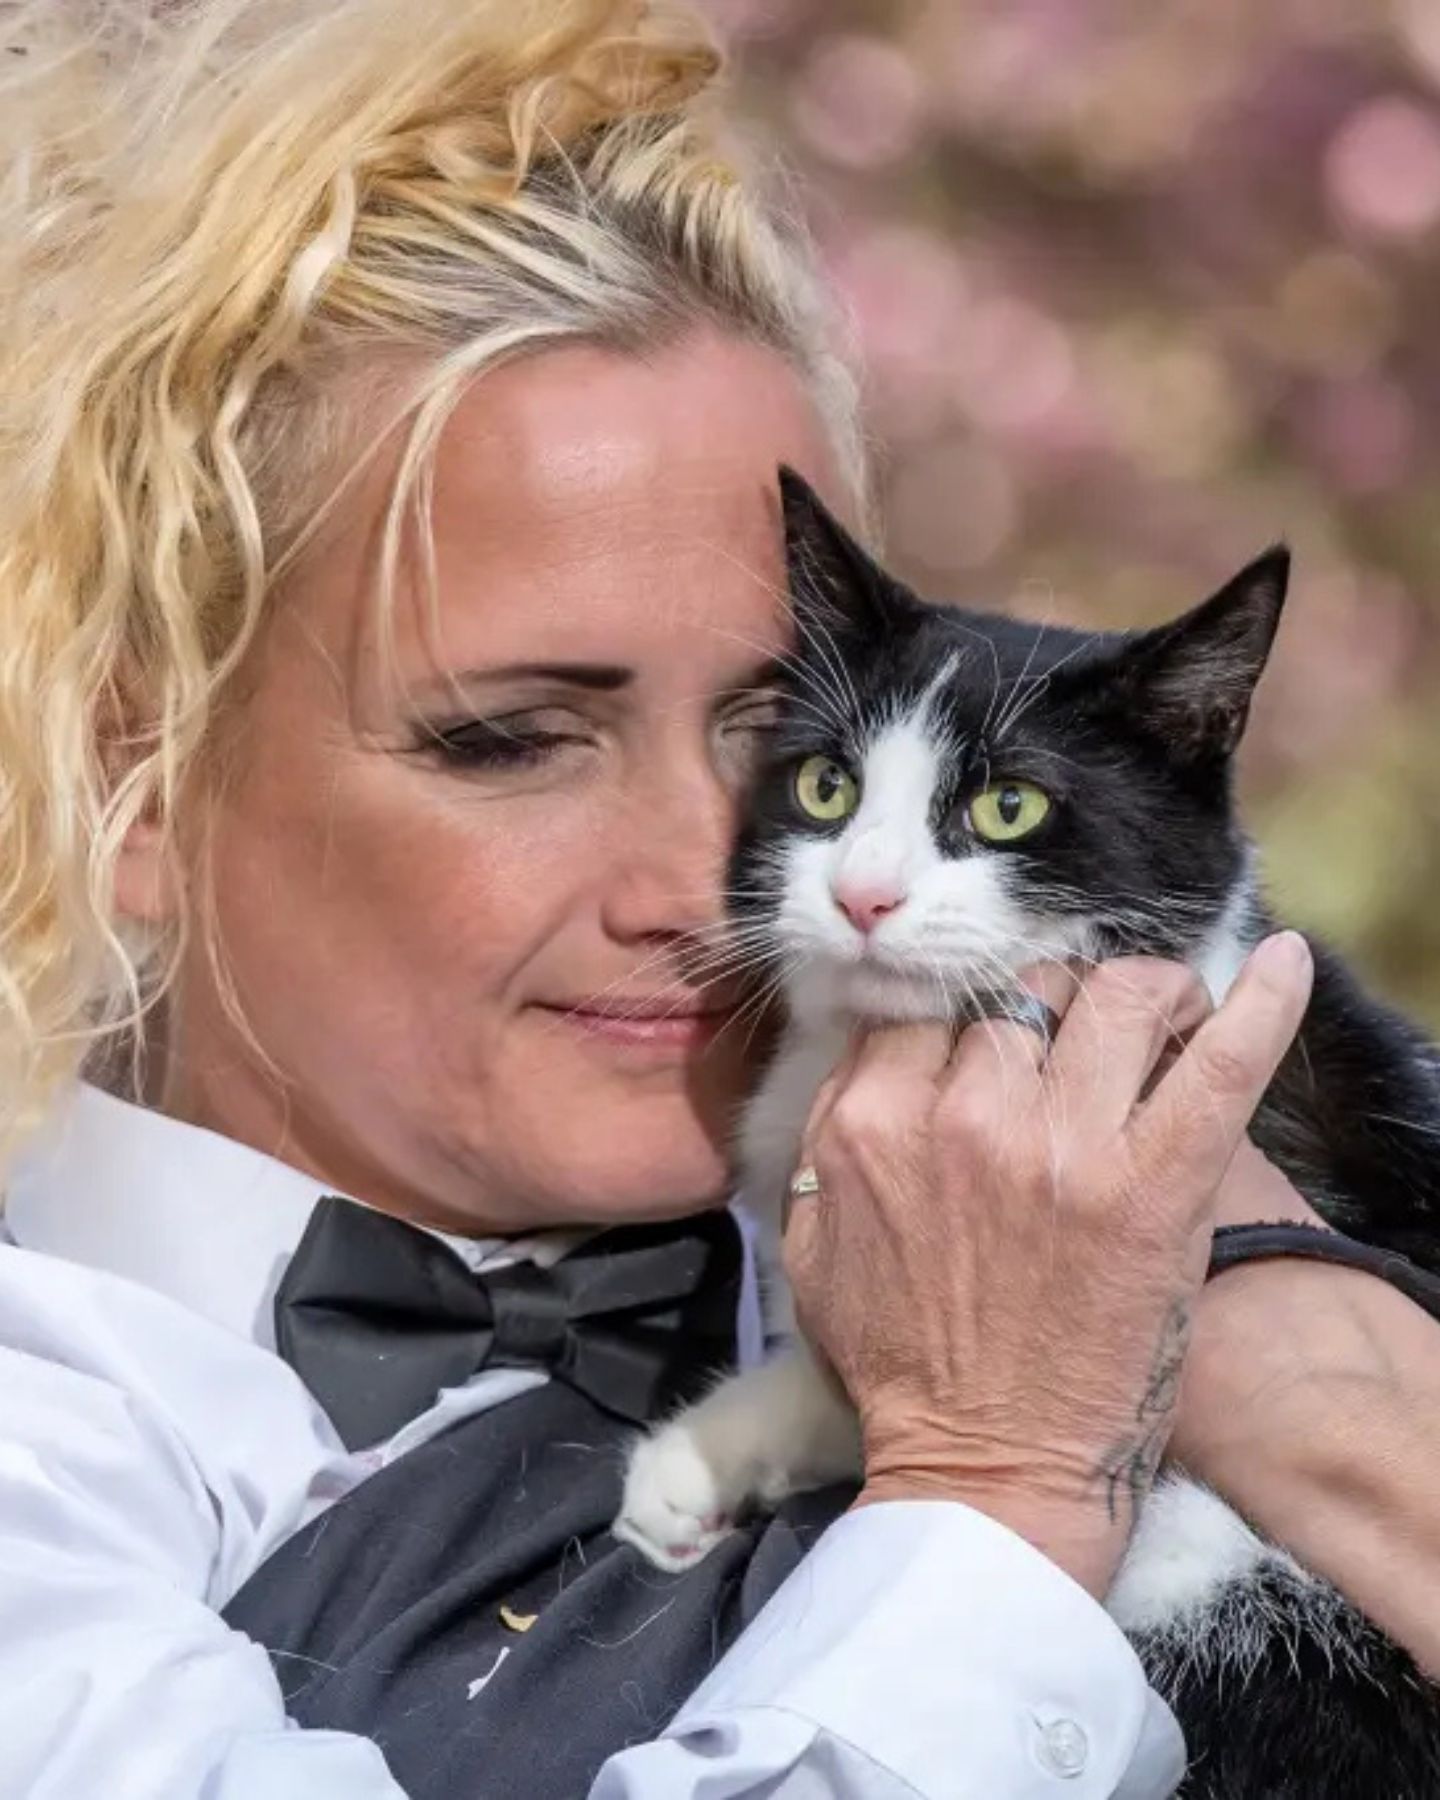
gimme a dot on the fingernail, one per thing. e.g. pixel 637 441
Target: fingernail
pixel 1284 954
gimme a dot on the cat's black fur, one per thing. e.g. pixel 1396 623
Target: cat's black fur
pixel 1133 736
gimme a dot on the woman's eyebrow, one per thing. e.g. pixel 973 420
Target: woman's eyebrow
pixel 600 678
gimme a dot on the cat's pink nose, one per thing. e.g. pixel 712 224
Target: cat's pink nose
pixel 865 904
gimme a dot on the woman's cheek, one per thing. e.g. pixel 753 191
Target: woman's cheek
pixel 498 880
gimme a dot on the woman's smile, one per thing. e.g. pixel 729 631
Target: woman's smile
pixel 659 1027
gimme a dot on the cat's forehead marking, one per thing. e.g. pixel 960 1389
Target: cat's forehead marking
pixel 914 718
pixel 933 715
pixel 889 838
pixel 902 766
pixel 929 706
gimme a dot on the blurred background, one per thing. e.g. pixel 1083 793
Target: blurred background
pixel 1139 289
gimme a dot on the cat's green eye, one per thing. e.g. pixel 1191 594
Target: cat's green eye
pixel 825 789
pixel 1007 810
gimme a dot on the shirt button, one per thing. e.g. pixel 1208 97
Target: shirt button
pixel 1064 1748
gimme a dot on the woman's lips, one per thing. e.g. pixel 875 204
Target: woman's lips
pixel 646 1025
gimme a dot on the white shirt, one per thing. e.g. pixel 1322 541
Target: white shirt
pixel 154 1450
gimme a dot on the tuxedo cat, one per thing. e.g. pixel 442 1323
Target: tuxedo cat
pixel 1016 792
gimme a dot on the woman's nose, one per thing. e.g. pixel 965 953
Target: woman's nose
pixel 669 857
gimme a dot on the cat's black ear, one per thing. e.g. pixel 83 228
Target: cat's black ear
pixel 1191 681
pixel 837 589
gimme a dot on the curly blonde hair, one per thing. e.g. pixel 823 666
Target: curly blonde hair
pixel 215 215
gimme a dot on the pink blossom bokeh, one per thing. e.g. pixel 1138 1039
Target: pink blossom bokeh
pixel 1138 291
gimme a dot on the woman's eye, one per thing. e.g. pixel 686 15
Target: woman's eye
pixel 1007 810
pixel 496 743
pixel 825 789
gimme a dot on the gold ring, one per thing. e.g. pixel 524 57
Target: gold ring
pixel 804 1183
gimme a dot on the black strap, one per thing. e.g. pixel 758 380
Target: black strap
pixel 1236 1244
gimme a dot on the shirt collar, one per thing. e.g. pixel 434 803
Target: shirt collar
pixel 198 1217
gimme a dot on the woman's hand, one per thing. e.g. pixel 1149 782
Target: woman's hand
pixel 1002 1261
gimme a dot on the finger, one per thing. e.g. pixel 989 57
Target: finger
pixel 821 1107
pixel 887 1081
pixel 911 1052
pixel 1128 1014
pixel 842 1072
pixel 1201 1109
pixel 1186 1022
pixel 830 1090
pixel 995 1046
pixel 804 1186
pixel 889 1066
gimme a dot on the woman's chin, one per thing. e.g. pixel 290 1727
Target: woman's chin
pixel 633 1188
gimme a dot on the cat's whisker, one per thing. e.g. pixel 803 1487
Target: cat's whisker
pixel 1025 694
pixel 756 960
pixel 1005 965
pixel 940 976
pixel 1173 1039
pixel 1380 1118
pixel 775 590
pixel 1002 978
pixel 1041 684
pixel 753 1013
pixel 998 678
pixel 754 953
pixel 937 975
pixel 848 701
pixel 1003 987
pixel 805 570
pixel 1040 753
pixel 823 713
pixel 672 958
pixel 833 713
pixel 748 1018
pixel 1017 686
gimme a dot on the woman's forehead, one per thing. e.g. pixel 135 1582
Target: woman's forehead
pixel 551 451
pixel 588 502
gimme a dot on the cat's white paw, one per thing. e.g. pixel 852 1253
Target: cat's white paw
pixel 674 1510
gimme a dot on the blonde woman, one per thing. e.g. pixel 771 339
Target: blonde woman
pixel 389 561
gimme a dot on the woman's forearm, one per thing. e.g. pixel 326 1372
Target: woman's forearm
pixel 1315 1410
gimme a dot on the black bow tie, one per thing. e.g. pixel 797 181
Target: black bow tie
pixel 376 1316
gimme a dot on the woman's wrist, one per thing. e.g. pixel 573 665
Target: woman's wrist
pixel 1279 1349
pixel 1303 1405
pixel 1061 1510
